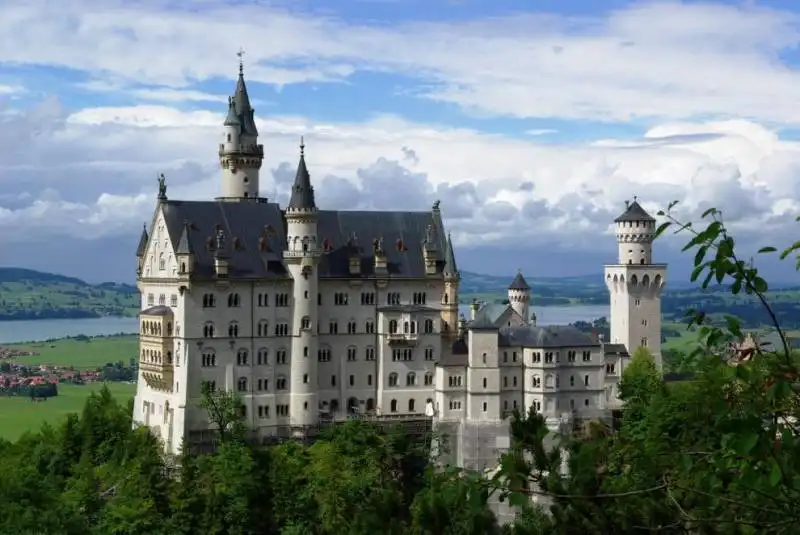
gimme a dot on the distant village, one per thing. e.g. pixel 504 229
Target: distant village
pixel 40 381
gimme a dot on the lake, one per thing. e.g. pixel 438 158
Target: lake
pixel 36 330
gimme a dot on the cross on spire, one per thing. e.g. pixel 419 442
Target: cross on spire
pixel 240 54
pixel 302 146
pixel 635 198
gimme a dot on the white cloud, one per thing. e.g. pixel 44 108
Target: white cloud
pixel 100 178
pixel 669 60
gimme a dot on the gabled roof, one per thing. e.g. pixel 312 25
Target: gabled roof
pixel 488 315
pixel 634 212
pixel 551 336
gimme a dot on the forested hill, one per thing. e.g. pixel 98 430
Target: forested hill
pixel 27 294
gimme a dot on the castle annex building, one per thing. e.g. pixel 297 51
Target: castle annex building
pixel 311 314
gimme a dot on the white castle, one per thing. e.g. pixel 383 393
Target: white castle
pixel 313 314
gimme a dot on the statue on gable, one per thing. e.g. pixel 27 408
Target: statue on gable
pixel 162 187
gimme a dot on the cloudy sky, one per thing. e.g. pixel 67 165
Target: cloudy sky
pixel 531 124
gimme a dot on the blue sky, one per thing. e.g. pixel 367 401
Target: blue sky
pixel 532 122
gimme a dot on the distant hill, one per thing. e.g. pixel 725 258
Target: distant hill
pixel 26 294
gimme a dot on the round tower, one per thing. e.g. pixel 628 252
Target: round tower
pixel 240 155
pixel 635 230
pixel 519 296
pixel 635 283
pixel 302 257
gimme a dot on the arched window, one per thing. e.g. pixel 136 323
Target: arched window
pixel 393 378
pixel 392 326
pixel 406 327
pixel 428 378
pixel 571 380
pixel 208 330
pixel 242 384
pixel 241 357
pixel 428 326
pixel 393 406
pixel 262 359
pixel 280 383
pixel 411 404
pixel 305 323
pixel 233 330
pixel 411 379
pixel 263 328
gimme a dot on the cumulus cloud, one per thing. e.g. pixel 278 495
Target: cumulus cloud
pixel 663 59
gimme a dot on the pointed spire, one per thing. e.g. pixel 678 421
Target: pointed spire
pixel 142 249
pixel 450 266
pixel 519 282
pixel 241 102
pixel 185 243
pixel 302 191
pixel 232 119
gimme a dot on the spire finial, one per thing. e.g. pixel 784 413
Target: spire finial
pixel 240 54
pixel 302 147
pixel 635 198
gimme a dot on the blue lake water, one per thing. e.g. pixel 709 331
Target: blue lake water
pixel 36 330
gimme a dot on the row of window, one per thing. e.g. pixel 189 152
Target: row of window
pixel 282 329
pixel 209 300
pixel 281 382
pixel 209 358
pixel 550 380
pixel 282 410
pixel 456 405
pixel 162 300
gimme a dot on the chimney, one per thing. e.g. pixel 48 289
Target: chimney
pixel 429 251
pixel 354 255
pixel 379 252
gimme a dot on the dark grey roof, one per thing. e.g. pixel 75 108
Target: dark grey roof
pixel 255 237
pixel 490 313
pixel 185 243
pixel 634 212
pixel 403 234
pixel 450 266
pixel 554 336
pixel 615 349
pixel 483 322
pixel 302 190
pixel 254 234
pixel 158 310
pixel 519 283
pixel 142 248
pixel 244 112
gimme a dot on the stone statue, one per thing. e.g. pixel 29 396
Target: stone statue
pixel 436 204
pixel 162 187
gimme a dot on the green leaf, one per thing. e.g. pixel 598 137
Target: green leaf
pixel 710 211
pixel 760 285
pixel 701 254
pixel 697 271
pixel 662 227
pixel 767 250
pixel 775 474
pixel 736 287
pixel 675 203
pixel 746 443
pixel 734 326
pixel 789 250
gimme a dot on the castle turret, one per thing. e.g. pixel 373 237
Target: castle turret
pixel 519 296
pixel 450 298
pixel 302 257
pixel 635 283
pixel 240 155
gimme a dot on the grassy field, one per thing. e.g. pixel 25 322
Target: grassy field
pixel 80 353
pixel 20 414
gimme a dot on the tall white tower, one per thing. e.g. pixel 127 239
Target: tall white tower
pixel 635 283
pixel 302 257
pixel 519 296
pixel 239 153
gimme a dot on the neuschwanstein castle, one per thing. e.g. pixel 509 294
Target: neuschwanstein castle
pixel 311 314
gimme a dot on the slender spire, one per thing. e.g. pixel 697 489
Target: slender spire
pixel 241 101
pixel 450 266
pixel 142 249
pixel 302 191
